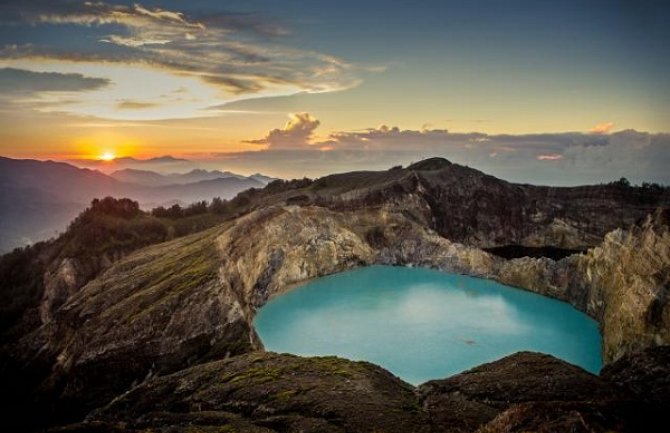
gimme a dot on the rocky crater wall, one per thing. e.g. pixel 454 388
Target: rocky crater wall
pixel 623 283
pixel 192 300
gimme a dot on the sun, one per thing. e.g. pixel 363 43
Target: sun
pixel 107 156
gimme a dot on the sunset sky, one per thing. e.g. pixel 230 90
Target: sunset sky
pixel 557 92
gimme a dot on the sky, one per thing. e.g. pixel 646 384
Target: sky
pixel 548 92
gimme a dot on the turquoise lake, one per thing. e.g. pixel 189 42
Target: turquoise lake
pixel 424 324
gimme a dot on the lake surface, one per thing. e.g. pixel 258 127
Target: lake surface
pixel 423 324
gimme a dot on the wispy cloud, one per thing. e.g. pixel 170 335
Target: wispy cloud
pixel 21 81
pixel 240 53
pixel 135 105
pixel 550 157
pixel 99 13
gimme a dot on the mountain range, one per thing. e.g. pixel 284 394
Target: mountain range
pixel 39 198
pixel 160 164
pixel 152 178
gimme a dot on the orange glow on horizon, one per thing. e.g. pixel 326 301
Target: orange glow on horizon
pixel 106 145
pixel 107 156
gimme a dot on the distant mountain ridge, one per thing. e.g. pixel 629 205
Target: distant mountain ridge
pixel 39 198
pixel 163 164
pixel 151 178
pixel 164 158
pixel 262 178
pixel 128 159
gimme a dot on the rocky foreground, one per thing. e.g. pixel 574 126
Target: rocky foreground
pixel 267 392
pixel 162 339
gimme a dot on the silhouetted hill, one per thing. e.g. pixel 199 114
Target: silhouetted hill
pixel 141 177
pixel 39 198
pixel 262 178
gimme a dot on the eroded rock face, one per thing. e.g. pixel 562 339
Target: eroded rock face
pixel 271 249
pixel 65 277
pixel 624 284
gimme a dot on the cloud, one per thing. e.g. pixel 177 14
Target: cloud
pixel 134 42
pixel 236 86
pixel 602 128
pixel 239 53
pixel 135 105
pixel 550 157
pixel 296 134
pixel 575 158
pixel 21 81
pixel 101 13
